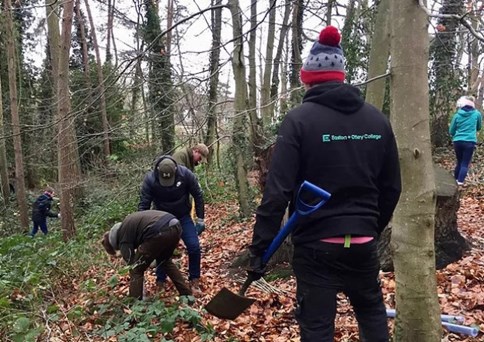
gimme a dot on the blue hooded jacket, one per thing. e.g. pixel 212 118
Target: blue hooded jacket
pixel 465 124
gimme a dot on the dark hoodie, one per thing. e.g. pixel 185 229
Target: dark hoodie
pixel 41 208
pixel 346 146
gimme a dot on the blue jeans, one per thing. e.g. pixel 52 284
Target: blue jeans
pixel 324 269
pixel 39 224
pixel 463 152
pixel 190 239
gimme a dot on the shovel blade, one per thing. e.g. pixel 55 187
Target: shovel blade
pixel 228 305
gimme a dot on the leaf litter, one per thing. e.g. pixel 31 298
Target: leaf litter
pixel 271 318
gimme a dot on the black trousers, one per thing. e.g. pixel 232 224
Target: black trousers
pixel 324 269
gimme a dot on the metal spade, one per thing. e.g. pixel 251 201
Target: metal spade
pixel 229 305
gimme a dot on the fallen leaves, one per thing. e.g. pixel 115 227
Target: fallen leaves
pixel 271 318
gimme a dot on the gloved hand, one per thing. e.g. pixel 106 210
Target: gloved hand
pixel 256 269
pixel 200 226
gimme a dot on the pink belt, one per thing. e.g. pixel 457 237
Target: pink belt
pixel 355 239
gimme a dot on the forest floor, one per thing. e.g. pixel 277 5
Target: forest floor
pixel 270 318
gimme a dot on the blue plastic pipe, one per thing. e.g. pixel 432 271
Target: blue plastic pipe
pixel 444 318
pixel 461 329
pixel 447 322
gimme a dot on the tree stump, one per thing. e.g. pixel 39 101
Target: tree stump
pixel 449 243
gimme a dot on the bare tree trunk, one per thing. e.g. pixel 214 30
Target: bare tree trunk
pixel 417 304
pixel 296 47
pixel 17 140
pixel 255 131
pixel 265 99
pixel 69 170
pixel 474 79
pixel 109 32
pixel 85 56
pixel 379 53
pixel 113 7
pixel 102 91
pixel 169 24
pixel 216 24
pixel 329 12
pixel 136 116
pixel 53 36
pixel 277 58
pixel 4 185
pixel 240 110
pixel 283 102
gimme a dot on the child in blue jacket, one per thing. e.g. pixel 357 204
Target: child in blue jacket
pixel 40 211
pixel 463 130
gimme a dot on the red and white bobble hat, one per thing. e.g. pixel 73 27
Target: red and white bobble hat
pixel 326 61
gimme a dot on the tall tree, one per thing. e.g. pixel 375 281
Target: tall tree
pixel 418 313
pixel 296 47
pixel 446 82
pixel 265 101
pixel 213 69
pixel 474 79
pixel 109 31
pixel 84 46
pixel 239 138
pixel 17 140
pixel 379 53
pixel 69 170
pixel 255 129
pixel 4 184
pixel 53 39
pixel 277 59
pixel 100 87
pixel 160 84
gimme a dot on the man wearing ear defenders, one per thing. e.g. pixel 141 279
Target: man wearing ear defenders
pixel 168 187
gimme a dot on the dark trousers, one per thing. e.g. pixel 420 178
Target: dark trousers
pixel 463 153
pixel 324 269
pixel 39 224
pixel 192 243
pixel 159 247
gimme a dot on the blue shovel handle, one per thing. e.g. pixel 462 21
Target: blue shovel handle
pixel 302 209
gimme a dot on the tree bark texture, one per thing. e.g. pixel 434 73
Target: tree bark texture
pixel 255 136
pixel 69 169
pixel 14 111
pixel 412 240
pixel 296 47
pixel 4 183
pixel 379 53
pixel 265 92
pixel 239 138
pixel 216 21
pixel 160 83
pixel 101 88
pixel 277 58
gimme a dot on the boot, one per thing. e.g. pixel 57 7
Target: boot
pixel 195 286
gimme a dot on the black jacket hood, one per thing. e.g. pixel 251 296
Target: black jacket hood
pixel 336 95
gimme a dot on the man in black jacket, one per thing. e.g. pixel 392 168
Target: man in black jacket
pixel 41 210
pixel 143 237
pixel 347 147
pixel 169 186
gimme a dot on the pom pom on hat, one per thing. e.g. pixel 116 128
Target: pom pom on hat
pixel 326 60
pixel 330 36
